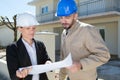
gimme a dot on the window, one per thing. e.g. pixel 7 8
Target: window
pixel 45 9
pixel 102 32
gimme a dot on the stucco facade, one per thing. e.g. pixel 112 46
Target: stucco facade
pixel 104 14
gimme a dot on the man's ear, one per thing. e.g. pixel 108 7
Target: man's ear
pixel 75 16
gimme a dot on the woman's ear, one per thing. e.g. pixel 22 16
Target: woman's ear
pixel 19 29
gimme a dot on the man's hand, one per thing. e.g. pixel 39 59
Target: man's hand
pixel 76 66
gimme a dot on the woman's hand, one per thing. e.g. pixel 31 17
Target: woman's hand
pixel 48 62
pixel 23 73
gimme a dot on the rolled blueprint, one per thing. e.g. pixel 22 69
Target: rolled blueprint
pixel 37 69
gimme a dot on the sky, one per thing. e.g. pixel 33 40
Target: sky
pixel 11 7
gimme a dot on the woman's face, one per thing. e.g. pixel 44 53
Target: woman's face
pixel 27 32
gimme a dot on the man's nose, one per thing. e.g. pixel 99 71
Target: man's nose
pixel 63 20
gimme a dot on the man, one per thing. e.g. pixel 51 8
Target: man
pixel 26 51
pixel 83 41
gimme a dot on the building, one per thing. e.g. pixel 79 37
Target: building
pixel 104 14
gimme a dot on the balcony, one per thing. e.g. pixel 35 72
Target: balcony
pixel 47 17
pixel 98 6
pixel 86 8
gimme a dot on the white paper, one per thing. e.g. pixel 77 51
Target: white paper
pixel 37 69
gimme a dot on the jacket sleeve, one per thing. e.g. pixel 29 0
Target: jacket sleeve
pixel 44 54
pixel 12 61
pixel 99 53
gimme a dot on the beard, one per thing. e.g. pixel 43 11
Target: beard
pixel 68 25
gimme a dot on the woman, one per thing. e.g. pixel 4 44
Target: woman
pixel 26 51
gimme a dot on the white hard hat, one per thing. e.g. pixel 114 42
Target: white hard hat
pixel 26 20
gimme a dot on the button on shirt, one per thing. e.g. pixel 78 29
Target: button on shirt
pixel 33 57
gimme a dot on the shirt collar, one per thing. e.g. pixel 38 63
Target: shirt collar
pixel 26 44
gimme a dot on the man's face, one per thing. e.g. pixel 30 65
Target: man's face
pixel 67 21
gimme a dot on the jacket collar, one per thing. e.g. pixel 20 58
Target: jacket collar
pixel 74 27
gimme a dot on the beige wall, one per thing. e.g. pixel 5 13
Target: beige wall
pixel 55 27
pixel 49 40
pixel 40 5
pixel 119 38
pixel 110 24
pixel 48 27
pixel 58 38
pixel 111 39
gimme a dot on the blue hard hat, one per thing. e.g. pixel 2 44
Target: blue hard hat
pixel 66 8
